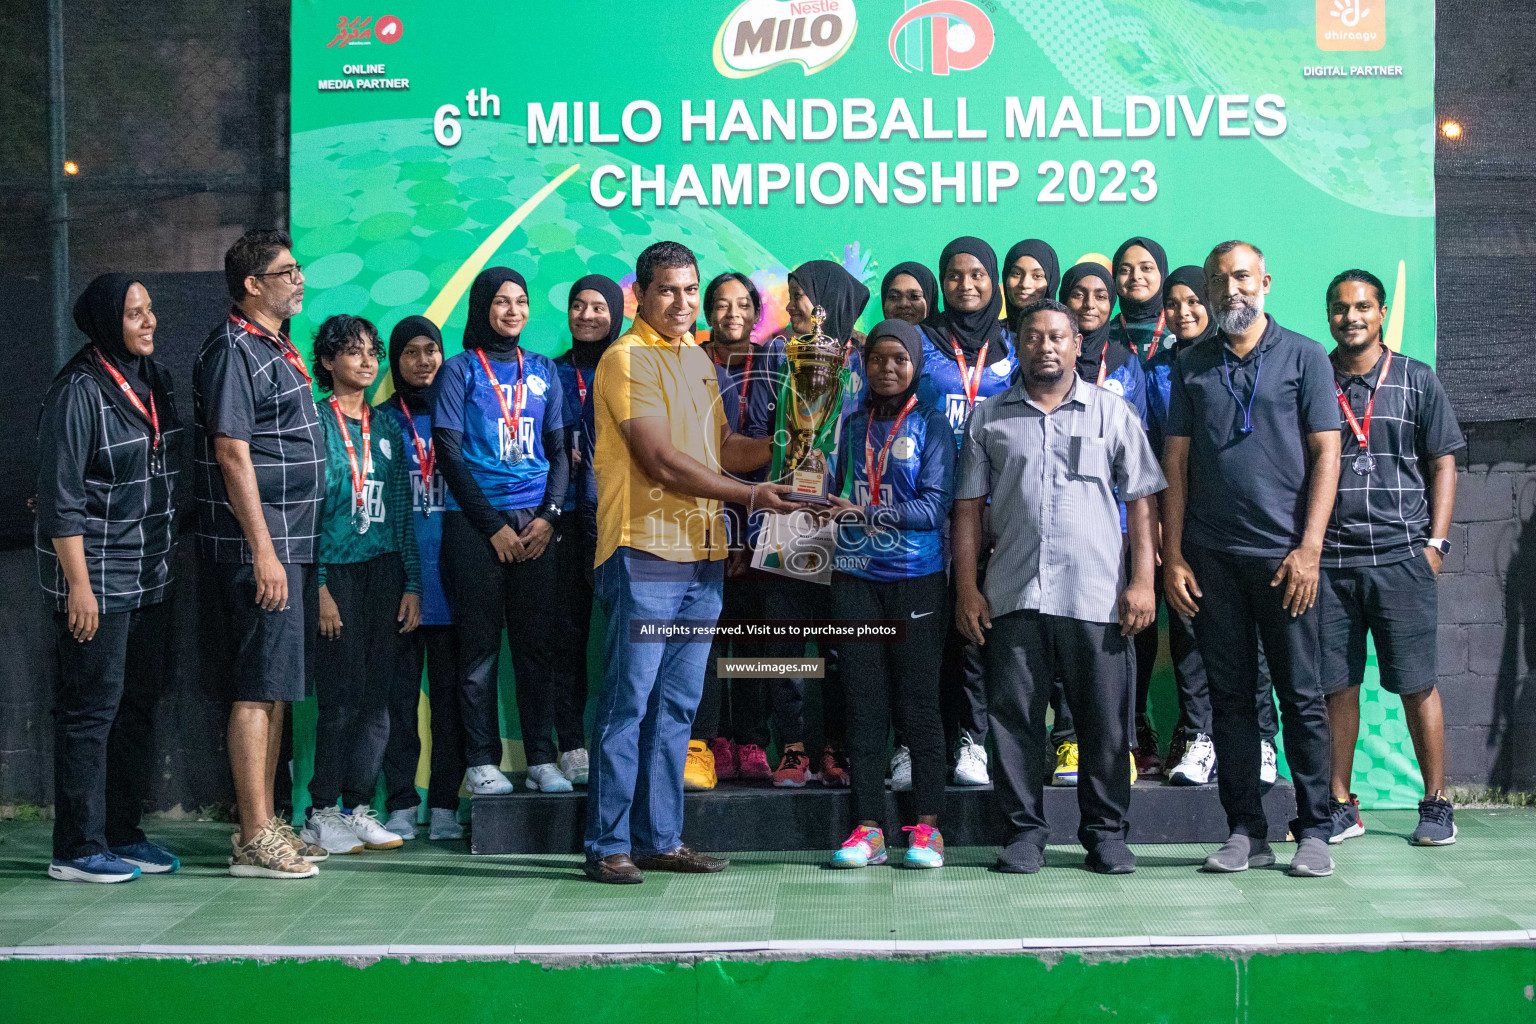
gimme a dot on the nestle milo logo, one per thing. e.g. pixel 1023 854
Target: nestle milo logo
pixel 762 34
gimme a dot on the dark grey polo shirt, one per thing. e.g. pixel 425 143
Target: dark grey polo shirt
pixel 1383 516
pixel 1053 479
pixel 1248 491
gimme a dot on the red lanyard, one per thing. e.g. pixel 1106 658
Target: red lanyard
pixel 151 414
pixel 874 468
pixel 1362 426
pixel 515 414
pixel 284 345
pixel 346 437
pixel 1157 335
pixel 581 386
pixel 741 389
pixel 970 381
pixel 425 456
pixel 1103 363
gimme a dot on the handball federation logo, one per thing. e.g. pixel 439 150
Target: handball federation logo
pixel 762 34
pixel 941 36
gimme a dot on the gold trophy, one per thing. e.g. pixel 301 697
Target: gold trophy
pixel 814 399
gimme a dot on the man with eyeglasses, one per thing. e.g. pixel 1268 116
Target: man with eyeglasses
pixel 259 480
pixel 1252 461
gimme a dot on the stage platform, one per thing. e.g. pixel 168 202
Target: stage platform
pixel 446 936
pixel 736 817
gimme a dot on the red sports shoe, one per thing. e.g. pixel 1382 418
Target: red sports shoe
pixel 725 758
pixel 833 768
pixel 752 763
pixel 794 768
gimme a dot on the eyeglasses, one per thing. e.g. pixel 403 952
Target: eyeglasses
pixel 293 274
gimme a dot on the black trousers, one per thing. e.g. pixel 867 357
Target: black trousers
pixel 1025 653
pixel 357 676
pixel 574 549
pixel 1239 610
pixel 737 710
pixel 887 681
pixel 790 599
pixel 103 728
pixel 963 686
pixel 488 595
pixel 437 649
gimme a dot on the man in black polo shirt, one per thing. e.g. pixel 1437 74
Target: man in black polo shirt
pixel 260 476
pixel 1252 461
pixel 1384 545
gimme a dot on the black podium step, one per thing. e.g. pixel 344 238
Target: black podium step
pixel 736 817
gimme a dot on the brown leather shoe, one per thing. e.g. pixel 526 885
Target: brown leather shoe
pixel 614 869
pixel 684 859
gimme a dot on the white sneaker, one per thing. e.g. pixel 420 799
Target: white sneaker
pixel 402 823
pixel 330 830
pixel 1198 765
pixel 546 778
pixel 1269 770
pixel 901 770
pixel 368 829
pixel 487 780
pixel 971 765
pixel 573 765
pixel 445 825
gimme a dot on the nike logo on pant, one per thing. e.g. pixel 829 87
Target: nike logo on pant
pixel 916 615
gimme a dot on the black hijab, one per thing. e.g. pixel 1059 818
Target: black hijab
pixel 883 406
pixel 1193 278
pixel 971 328
pixel 1094 341
pixel 1042 254
pixel 405 331
pixel 1134 311
pixel 478 332
pixel 99 315
pixel 586 353
pixel 919 273
pixel 836 291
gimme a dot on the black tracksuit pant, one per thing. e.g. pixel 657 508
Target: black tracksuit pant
pixel 488 595
pixel 788 599
pixel 357 676
pixel 1025 653
pixel 738 710
pixel 900 682
pixel 963 690
pixel 574 548
pixel 1239 608
pixel 437 649
pixel 103 728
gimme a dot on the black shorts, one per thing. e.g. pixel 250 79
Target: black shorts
pixel 272 652
pixel 1397 604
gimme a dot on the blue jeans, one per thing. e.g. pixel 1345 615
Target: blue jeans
pixel 650 694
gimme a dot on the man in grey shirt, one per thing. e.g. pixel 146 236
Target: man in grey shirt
pixel 1053 453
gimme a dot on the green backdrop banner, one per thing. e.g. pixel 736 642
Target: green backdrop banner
pixel 431 140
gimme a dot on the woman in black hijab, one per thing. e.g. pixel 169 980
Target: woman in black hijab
pixel 909 292
pixel 972 302
pixel 107 443
pixel 1140 269
pixel 890 565
pixel 1186 307
pixel 842 298
pixel 1031 271
pixel 1089 291
pixel 502 438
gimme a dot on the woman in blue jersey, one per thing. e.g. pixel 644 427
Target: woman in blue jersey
pixel 968 356
pixel 415 355
pixel 908 292
pixel 1031 271
pixel 501 437
pixel 895 468
pixel 595 314
pixel 812 284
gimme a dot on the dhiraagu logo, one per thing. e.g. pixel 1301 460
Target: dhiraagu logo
pixel 1351 24
pixel 762 34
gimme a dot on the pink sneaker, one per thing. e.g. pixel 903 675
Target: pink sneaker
pixel 752 763
pixel 725 758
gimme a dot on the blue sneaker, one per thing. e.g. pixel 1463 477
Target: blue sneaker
pixel 864 847
pixel 149 858
pixel 98 867
pixel 926 849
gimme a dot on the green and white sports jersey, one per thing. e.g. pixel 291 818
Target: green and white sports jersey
pixel 386 496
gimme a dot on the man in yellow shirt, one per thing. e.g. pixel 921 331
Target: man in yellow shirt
pixel 663 458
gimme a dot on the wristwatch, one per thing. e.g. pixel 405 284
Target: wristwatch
pixel 1440 544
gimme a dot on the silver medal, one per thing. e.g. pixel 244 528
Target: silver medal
pixel 514 454
pixel 1365 463
pixel 360 522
